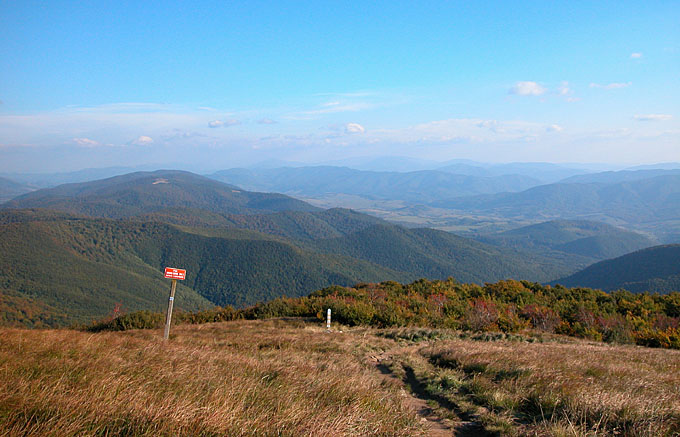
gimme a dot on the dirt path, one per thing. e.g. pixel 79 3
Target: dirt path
pixel 416 397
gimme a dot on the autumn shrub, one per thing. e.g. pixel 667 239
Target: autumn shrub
pixel 481 315
pixel 542 318
pixel 217 314
pixel 509 320
pixel 615 328
pixel 135 320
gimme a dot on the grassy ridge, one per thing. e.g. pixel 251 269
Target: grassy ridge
pixel 288 377
pixel 238 379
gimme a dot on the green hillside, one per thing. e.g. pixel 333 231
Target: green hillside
pixel 147 192
pixel 420 252
pixel 81 269
pixel 573 244
pixel 294 225
pixel 68 270
pixel 653 269
pixel 436 254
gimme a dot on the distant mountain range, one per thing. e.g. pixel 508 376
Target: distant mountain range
pixel 418 186
pixel 10 189
pixel 651 204
pixel 614 177
pixel 239 247
pixel 71 253
pixel 655 269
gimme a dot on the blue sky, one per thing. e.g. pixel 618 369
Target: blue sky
pixel 220 84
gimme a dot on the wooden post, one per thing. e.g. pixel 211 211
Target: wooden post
pixel 328 320
pixel 168 317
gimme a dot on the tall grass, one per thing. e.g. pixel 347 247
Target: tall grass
pixel 574 388
pixel 238 378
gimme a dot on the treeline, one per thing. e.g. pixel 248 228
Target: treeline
pixel 506 306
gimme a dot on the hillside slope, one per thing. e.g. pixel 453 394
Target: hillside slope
pixel 572 243
pixel 436 254
pixel 10 189
pixel 656 198
pixel 653 269
pixel 71 270
pixel 147 192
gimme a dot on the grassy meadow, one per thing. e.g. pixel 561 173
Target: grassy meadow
pixel 289 377
pixel 554 386
pixel 237 378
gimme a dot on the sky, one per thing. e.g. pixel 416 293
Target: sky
pixel 212 85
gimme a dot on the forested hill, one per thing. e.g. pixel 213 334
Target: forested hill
pixel 574 244
pixel 654 269
pixel 148 192
pixel 56 270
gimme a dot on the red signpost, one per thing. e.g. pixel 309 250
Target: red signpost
pixel 173 274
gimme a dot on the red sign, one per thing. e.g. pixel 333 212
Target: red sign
pixel 175 273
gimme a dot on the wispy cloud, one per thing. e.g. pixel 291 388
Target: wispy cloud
pixel 527 88
pixel 335 107
pixel 266 121
pixel 223 123
pixel 354 128
pixel 86 142
pixel 611 86
pixel 635 55
pixel 653 117
pixel 142 140
pixel 564 89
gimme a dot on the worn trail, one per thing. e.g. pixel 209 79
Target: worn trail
pixel 416 397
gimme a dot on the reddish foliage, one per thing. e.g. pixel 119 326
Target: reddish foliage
pixel 542 318
pixel 481 315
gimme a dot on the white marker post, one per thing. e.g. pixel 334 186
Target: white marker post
pixel 173 274
pixel 328 321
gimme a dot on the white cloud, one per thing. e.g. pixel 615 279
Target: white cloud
pixel 86 142
pixel 554 128
pixel 653 117
pixel 266 121
pixel 142 140
pixel 635 55
pixel 527 89
pixel 612 86
pixel 354 128
pixel 223 123
pixel 564 89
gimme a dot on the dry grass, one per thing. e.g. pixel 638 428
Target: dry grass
pixel 290 378
pixel 576 388
pixel 235 378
